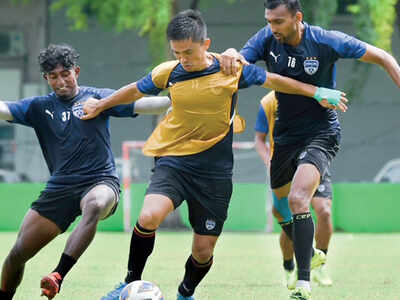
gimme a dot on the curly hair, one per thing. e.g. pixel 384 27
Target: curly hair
pixel 55 55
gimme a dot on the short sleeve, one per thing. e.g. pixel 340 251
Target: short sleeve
pixel 22 111
pixel 344 45
pixel 253 50
pixel 262 121
pixel 252 75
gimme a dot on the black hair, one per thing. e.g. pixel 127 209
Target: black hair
pixel 187 24
pixel 292 5
pixel 55 55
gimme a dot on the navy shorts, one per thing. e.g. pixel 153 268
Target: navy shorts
pixel 63 206
pixel 207 199
pixel 318 151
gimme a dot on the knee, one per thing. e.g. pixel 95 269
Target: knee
pixel 94 210
pixel 203 253
pixel 17 256
pixel 298 202
pixel 150 219
pixel 324 214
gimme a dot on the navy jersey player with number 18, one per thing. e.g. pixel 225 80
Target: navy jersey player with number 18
pixel 306 135
pixel 83 179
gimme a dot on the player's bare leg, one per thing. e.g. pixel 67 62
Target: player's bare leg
pixel 155 209
pixel 95 205
pixel 197 265
pixel 35 233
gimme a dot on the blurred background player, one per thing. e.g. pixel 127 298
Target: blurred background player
pixel 321 201
pixel 83 178
pixel 306 135
pixel 193 144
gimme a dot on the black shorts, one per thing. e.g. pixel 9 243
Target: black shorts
pixel 324 190
pixel 207 199
pixel 62 207
pixel 319 151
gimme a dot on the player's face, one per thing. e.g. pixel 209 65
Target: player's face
pixel 284 25
pixel 63 81
pixel 191 55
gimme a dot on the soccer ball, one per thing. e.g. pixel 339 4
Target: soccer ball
pixel 141 290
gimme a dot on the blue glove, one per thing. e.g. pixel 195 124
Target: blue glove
pixel 332 96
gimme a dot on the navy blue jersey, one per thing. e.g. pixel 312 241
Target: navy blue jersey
pixel 217 161
pixel 312 61
pixel 261 121
pixel 75 151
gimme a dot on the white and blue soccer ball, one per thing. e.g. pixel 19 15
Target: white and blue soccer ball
pixel 141 290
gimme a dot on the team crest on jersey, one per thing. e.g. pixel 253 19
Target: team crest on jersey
pixel 210 224
pixel 77 110
pixel 311 65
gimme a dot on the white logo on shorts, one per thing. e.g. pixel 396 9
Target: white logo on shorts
pixel 302 154
pixel 210 224
pixel 321 188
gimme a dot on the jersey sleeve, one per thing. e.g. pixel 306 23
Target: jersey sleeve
pixel 147 86
pixel 262 121
pixel 343 45
pixel 103 93
pixel 122 111
pixel 119 111
pixel 22 111
pixel 157 80
pixel 252 75
pixel 254 48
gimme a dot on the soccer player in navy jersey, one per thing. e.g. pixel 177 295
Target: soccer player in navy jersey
pixel 83 178
pixel 321 200
pixel 193 144
pixel 306 135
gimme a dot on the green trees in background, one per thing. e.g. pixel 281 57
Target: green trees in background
pixel 374 21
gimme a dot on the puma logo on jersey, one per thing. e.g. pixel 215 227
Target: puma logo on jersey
pixel 49 113
pixel 274 56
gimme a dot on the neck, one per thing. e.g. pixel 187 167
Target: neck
pixel 72 96
pixel 207 62
pixel 297 37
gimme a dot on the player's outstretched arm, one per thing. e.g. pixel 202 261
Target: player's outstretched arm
pixel 329 98
pixel 125 95
pixel 152 105
pixel 380 57
pixel 5 113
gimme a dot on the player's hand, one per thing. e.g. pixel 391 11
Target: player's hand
pixel 341 104
pixel 231 61
pixel 332 99
pixel 91 109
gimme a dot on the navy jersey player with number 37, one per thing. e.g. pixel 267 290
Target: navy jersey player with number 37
pixel 306 134
pixel 83 179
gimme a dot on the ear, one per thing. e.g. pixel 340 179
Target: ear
pixel 299 16
pixel 77 70
pixel 44 76
pixel 207 43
